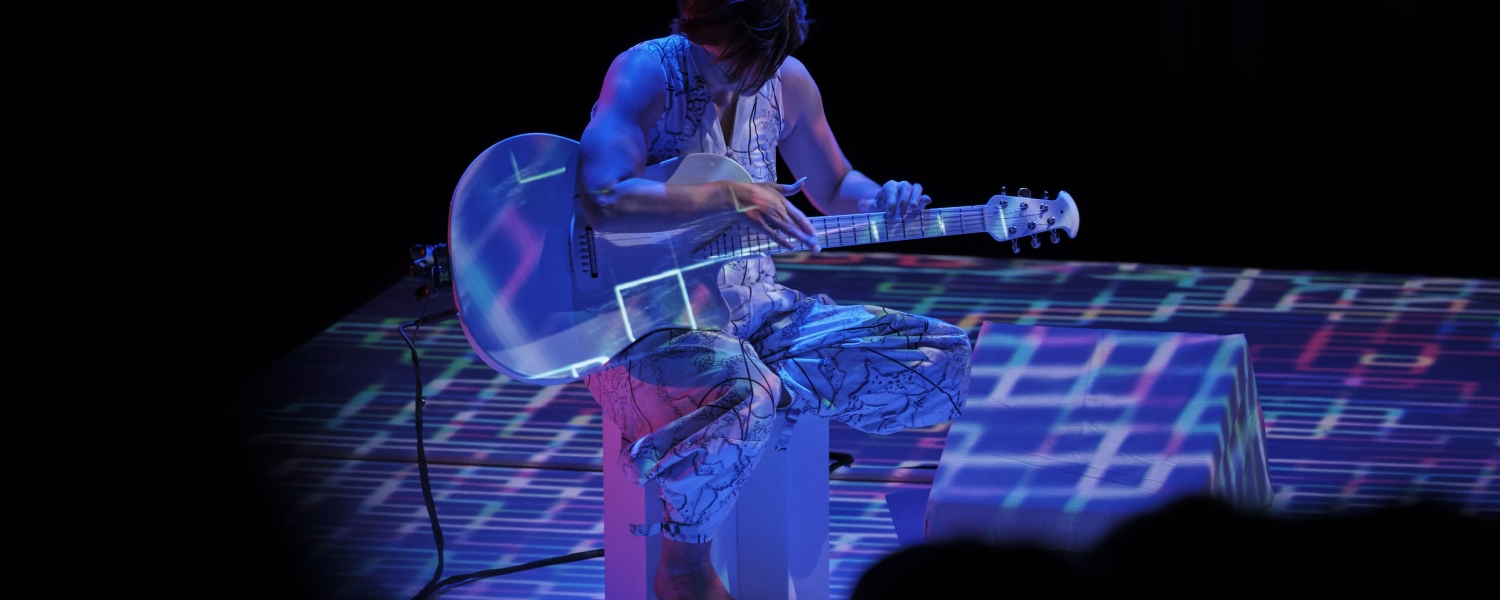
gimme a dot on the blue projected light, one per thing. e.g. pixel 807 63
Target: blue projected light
pixel 1375 390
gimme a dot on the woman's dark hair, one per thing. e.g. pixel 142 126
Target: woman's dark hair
pixel 753 37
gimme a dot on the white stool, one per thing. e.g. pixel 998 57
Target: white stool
pixel 773 546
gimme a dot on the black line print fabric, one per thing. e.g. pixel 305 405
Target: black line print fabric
pixel 697 407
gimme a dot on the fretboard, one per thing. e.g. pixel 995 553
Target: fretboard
pixel 1008 221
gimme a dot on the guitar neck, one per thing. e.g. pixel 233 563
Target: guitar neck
pixel 1009 218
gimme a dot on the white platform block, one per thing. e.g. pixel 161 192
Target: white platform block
pixel 630 561
pixel 773 546
pixel 1071 431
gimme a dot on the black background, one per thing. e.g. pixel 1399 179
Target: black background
pixel 1349 136
pixel 306 148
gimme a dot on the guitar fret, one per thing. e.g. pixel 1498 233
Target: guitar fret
pixel 869 228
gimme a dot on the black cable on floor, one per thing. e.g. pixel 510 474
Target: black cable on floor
pixel 437 582
pixel 546 562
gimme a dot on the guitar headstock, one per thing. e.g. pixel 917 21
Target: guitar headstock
pixel 1021 216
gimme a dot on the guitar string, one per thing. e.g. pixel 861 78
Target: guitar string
pixel 758 242
pixel 735 241
pixel 966 215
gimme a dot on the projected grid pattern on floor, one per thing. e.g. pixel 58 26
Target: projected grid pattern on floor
pixel 1376 390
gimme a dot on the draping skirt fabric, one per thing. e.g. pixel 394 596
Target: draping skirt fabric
pixel 696 407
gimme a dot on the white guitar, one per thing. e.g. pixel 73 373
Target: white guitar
pixel 546 299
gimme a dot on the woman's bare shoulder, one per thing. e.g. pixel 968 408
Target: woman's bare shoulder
pixel 798 90
pixel 637 69
pixel 634 84
pixel 794 72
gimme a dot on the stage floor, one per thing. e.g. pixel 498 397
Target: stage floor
pixel 1377 390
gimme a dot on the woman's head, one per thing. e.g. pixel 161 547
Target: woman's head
pixel 751 38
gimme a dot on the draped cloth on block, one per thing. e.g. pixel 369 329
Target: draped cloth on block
pixel 1071 431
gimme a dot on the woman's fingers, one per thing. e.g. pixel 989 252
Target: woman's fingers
pixel 777 236
pixel 779 230
pixel 791 189
pixel 768 210
pixel 890 193
pixel 899 200
pixel 914 202
pixel 810 234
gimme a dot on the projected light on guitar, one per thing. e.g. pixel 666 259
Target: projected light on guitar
pixel 546 301
pixel 528 179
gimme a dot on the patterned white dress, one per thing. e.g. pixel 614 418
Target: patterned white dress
pixel 696 407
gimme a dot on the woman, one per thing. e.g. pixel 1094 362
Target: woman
pixel 696 407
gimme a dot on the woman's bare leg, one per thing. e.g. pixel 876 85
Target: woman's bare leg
pixel 686 573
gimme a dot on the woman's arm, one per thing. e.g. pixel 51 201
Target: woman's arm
pixel 612 156
pixel 810 149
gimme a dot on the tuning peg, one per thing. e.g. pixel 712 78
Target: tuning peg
pixel 1035 243
pixel 1002 190
pixel 1046 194
pixel 1024 193
pixel 1014 247
pixel 1054 236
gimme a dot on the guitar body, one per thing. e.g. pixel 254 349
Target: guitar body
pixel 544 299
